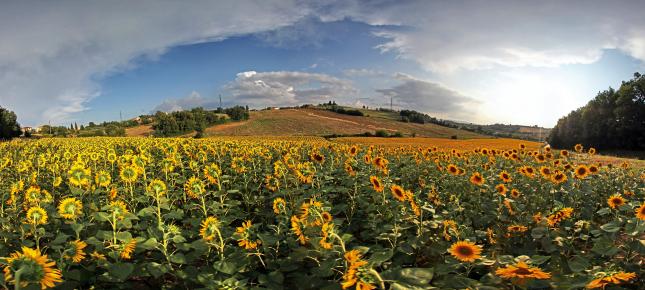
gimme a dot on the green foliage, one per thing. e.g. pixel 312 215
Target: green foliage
pixel 9 127
pixel 237 113
pixel 614 119
pixel 197 119
pixel 420 118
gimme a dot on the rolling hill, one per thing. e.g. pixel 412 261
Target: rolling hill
pixel 317 122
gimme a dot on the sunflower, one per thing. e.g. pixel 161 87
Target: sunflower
pixel 380 162
pixel 592 151
pixel 377 184
pixel 279 205
pixel 581 171
pixel 558 177
pixel 517 228
pixel 212 173
pixel 593 169
pixel 157 187
pixel 353 150
pixel 398 192
pixel 77 250
pixel 296 228
pixel 615 201
pixel 465 251
pixel 540 158
pixel 244 232
pixel 515 193
pixel 79 175
pixel 477 179
pixel 317 157
pixel 324 231
pixel 326 216
pixel 578 148
pixel 521 271
pixel 640 212
pixel 501 189
pixel 505 177
pixel 111 157
pixel 103 178
pixel 57 181
pixel 118 209
pixel 452 169
pixel 128 250
pixel 559 216
pixel 545 171
pixel 97 256
pixel 36 215
pixel 616 279
pixel 194 187
pixel 33 194
pixel 356 272
pixel 564 153
pixel 36 269
pixel 529 171
pixel 129 174
pixel 70 208
pixel 210 227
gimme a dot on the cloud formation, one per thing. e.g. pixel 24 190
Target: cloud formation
pixel 429 97
pixel 287 88
pixel 53 53
pixel 445 36
pixel 193 100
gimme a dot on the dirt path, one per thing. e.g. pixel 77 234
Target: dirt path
pixel 346 121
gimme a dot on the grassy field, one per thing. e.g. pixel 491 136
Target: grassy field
pixel 311 122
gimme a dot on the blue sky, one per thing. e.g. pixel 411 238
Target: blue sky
pixel 501 61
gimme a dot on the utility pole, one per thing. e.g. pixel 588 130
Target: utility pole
pixel 391 107
pixel 220 101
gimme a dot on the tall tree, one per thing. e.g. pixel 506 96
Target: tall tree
pixel 9 127
pixel 614 119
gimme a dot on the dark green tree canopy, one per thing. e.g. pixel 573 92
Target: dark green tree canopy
pixel 614 119
pixel 9 126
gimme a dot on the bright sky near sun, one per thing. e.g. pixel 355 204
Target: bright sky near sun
pixel 520 62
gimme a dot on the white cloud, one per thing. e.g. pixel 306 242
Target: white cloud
pixel 363 72
pixel 288 88
pixel 445 36
pixel 430 97
pixel 193 100
pixel 52 53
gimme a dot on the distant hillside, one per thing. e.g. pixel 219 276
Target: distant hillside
pixel 321 122
pixel 532 133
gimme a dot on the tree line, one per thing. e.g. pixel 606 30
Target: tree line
pixel 614 119
pixel 9 127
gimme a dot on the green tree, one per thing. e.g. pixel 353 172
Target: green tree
pixel 9 127
pixel 614 119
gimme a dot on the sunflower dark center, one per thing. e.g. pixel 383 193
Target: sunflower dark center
pixel 523 271
pixel 465 251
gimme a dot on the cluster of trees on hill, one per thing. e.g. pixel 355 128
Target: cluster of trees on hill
pixel 420 118
pixel 9 127
pixel 197 119
pixel 332 106
pixel 614 119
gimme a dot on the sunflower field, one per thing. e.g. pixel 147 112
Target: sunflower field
pixel 306 213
